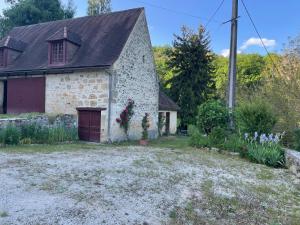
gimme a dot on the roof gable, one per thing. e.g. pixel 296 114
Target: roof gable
pixel 102 39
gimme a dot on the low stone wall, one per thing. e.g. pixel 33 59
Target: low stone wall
pixel 43 120
pixel 293 161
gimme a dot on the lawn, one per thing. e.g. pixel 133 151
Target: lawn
pixel 166 182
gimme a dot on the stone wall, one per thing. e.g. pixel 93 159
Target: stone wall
pixel 66 92
pixel 65 120
pixel 292 159
pixel 134 77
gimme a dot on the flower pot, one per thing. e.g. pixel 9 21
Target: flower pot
pixel 143 142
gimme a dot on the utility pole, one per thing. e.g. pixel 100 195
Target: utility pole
pixel 232 58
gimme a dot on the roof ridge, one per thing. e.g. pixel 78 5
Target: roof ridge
pixel 82 17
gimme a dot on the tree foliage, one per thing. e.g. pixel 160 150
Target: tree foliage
pixel 250 69
pixel 27 12
pixel 191 62
pixel 164 72
pixel 97 7
pixel 281 87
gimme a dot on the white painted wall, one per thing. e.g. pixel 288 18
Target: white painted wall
pixel 173 121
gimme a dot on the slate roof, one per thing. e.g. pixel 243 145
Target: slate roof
pixel 12 43
pixel 102 39
pixel 65 34
pixel 166 103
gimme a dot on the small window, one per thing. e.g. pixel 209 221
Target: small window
pixel 57 54
pixel 2 58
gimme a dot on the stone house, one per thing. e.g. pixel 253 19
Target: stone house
pixel 88 67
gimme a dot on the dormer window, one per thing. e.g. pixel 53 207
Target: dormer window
pixel 62 46
pixel 2 58
pixel 57 52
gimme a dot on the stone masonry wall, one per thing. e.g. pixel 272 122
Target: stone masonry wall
pixel 65 120
pixel 66 92
pixel 134 77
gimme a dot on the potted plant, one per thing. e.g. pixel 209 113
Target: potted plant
pixel 145 126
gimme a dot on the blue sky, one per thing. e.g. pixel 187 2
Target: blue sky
pixel 276 20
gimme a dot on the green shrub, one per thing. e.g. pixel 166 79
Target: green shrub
pixel 256 116
pixel 11 135
pixel 235 144
pixel 212 114
pixel 61 134
pixel 296 140
pixel 37 134
pixel 270 155
pixel 218 137
pixel 197 139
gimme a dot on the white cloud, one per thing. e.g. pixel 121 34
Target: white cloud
pixel 226 52
pixel 257 42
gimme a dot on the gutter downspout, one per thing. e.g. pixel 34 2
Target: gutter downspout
pixel 109 106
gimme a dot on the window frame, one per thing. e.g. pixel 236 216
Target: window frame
pixel 62 54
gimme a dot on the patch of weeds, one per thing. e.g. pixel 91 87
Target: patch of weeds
pixel 265 174
pixel 143 163
pixel 176 178
pixel 173 214
pixel 264 189
pixel 212 208
pixel 3 214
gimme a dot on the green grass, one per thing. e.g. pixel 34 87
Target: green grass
pixel 174 142
pixel 50 148
pixel 3 214
pixel 177 142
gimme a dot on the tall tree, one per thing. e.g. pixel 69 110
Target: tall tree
pixel 27 12
pixel 162 69
pixel 191 60
pixel 97 7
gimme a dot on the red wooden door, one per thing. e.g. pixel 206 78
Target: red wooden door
pixel 25 95
pixel 89 125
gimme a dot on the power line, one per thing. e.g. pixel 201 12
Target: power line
pixel 178 12
pixel 256 30
pixel 215 13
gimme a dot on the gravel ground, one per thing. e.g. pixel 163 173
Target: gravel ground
pixel 143 185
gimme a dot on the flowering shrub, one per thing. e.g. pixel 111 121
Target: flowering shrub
pixel 264 139
pixel 145 126
pixel 265 149
pixel 126 116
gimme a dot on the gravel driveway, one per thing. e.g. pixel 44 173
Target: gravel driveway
pixel 143 185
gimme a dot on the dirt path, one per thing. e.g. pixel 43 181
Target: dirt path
pixel 136 185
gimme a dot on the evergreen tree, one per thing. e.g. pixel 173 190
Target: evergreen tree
pixel 27 12
pixel 97 7
pixel 191 61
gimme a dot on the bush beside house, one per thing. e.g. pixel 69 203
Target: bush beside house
pixel 212 131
